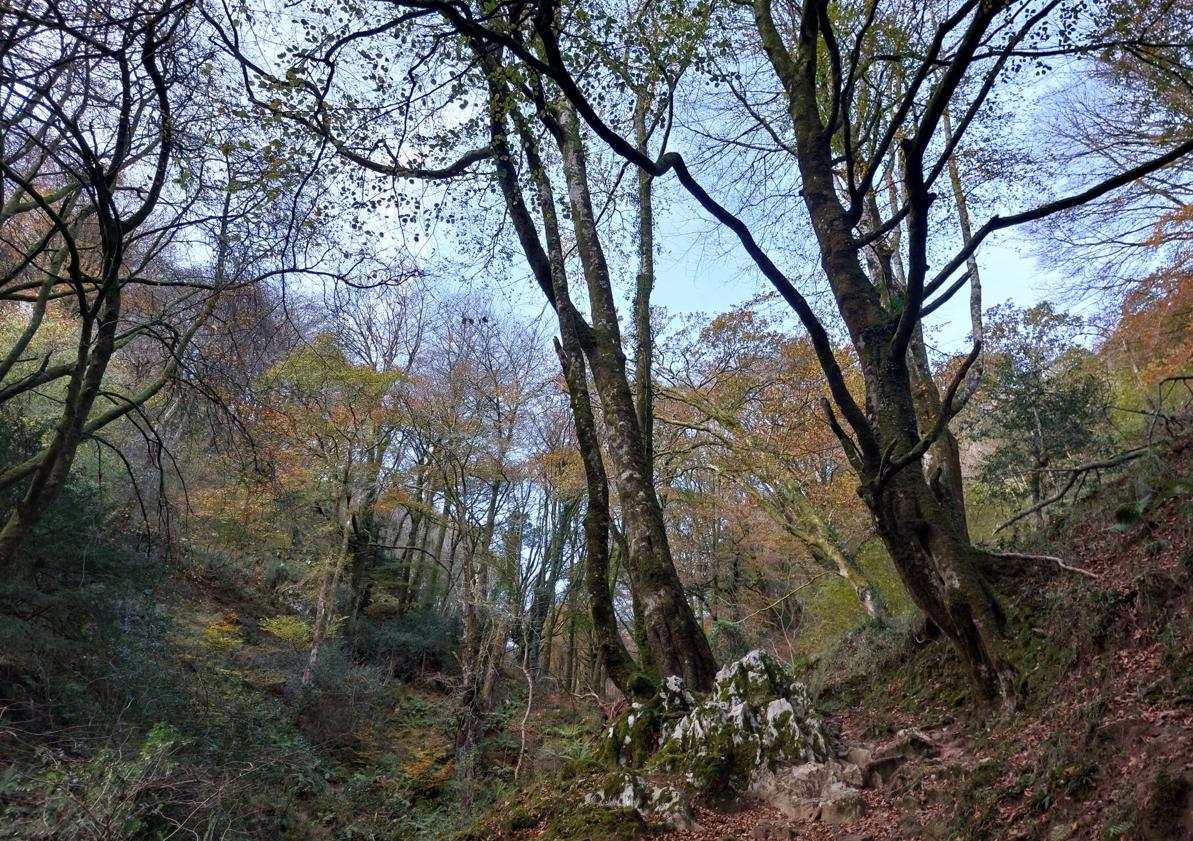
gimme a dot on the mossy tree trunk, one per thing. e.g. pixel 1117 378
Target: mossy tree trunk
pixel 676 640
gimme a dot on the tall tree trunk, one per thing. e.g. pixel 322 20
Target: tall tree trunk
pixel 676 640
pixel 643 286
pixel 928 545
pixel 942 462
pixel 548 266
pixel 622 669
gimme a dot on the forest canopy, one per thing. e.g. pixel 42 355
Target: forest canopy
pixel 367 434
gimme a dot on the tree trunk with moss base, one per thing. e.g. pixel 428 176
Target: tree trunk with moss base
pixel 676 640
pixel 926 541
pixel 547 265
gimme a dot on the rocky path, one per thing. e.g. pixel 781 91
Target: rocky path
pixel 885 819
pixel 899 777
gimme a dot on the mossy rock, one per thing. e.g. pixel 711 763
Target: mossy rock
pixel 620 823
pixel 758 716
pixel 635 734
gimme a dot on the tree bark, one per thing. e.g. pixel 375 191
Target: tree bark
pixel 676 640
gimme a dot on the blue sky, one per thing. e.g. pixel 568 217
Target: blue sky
pixel 699 275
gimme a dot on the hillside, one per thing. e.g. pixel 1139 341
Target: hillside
pixel 456 420
pixel 1102 747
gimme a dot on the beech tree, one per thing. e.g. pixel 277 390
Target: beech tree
pixel 537 146
pixel 848 121
pixel 751 396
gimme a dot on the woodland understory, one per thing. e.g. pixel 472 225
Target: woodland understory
pixel 541 419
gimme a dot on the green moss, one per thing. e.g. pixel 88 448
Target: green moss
pixel 584 821
pixel 634 735
pixel 757 716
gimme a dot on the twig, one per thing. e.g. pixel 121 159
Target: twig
pixel 1060 562
pixel 783 598
pixel 1075 473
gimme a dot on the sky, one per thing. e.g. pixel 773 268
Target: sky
pixel 697 276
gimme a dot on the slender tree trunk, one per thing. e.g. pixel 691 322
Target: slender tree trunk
pixel 643 286
pixel 325 603
pixel 549 267
pixel 676 639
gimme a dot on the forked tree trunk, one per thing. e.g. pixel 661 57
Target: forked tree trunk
pixel 676 640
pixel 927 543
pixel 941 570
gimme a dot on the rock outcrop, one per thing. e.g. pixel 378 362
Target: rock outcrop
pixel 757 717
pixel 754 735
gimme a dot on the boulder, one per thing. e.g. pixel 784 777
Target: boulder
pixel 861 758
pixel 630 790
pixel 842 804
pixel 757 718
pixel 673 807
pixel 850 774
pixel 811 791
pixel 755 733
pixel 907 745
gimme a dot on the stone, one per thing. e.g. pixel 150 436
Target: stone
pixel 860 758
pixel 628 790
pixel 796 809
pixel 810 780
pixel 907 745
pixel 772 831
pixel 757 717
pixel 796 792
pixel 850 774
pixel 673 806
pixel 842 805
pixel 812 791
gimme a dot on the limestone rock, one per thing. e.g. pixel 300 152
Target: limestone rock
pixel 756 717
pixel 843 804
pixel 850 774
pixel 629 790
pixel 811 791
pixel 861 758
pixel 755 732
pixel 810 780
pixel 673 806
pixel 622 789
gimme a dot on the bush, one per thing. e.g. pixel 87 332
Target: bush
pixel 419 641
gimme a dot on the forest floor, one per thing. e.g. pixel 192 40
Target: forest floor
pixel 1102 747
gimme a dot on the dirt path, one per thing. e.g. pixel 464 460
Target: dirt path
pixel 885 820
